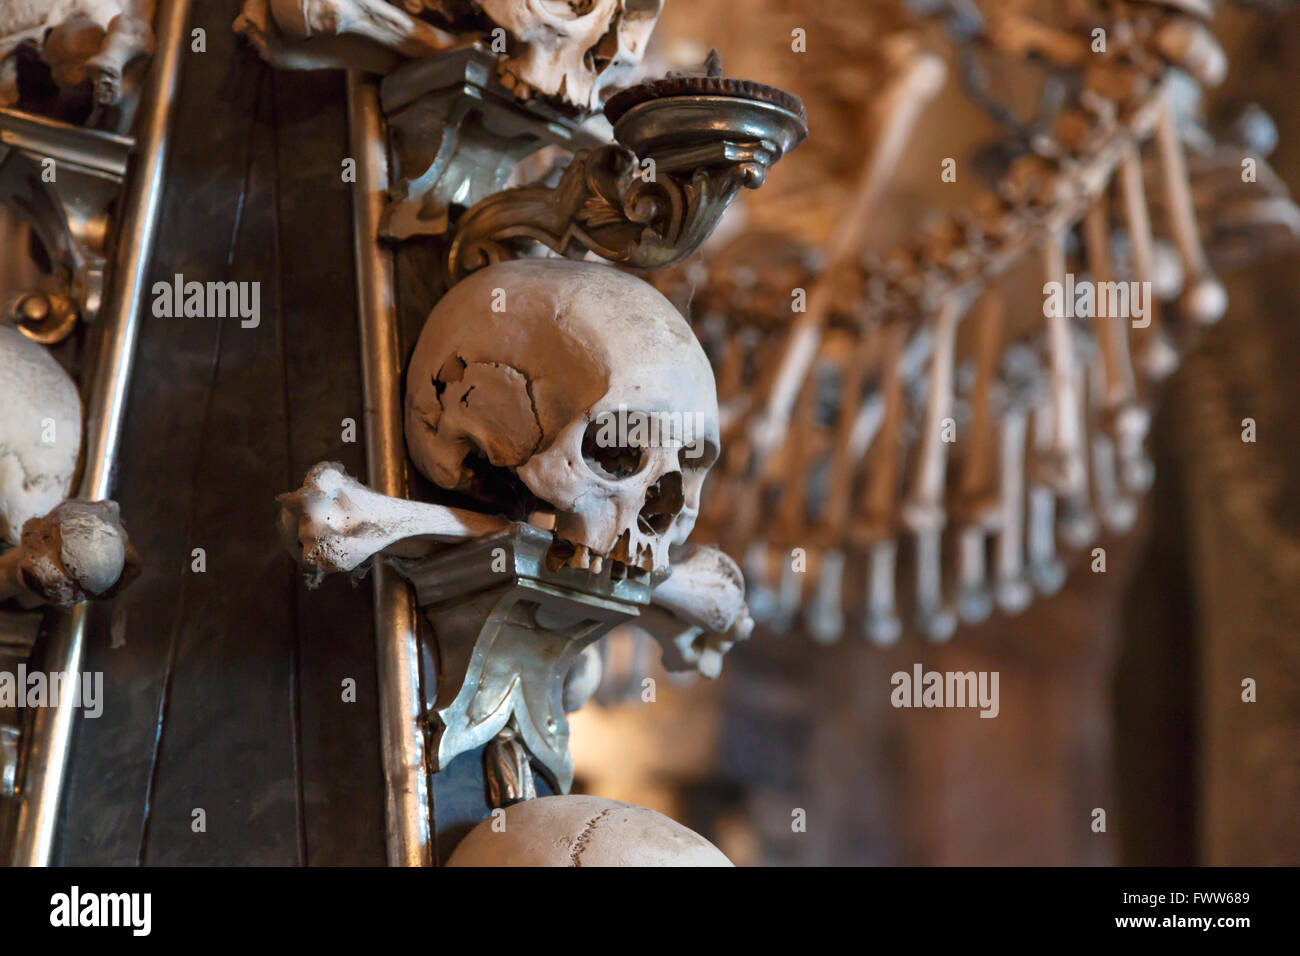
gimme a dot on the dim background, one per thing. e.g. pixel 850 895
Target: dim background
pixel 1121 693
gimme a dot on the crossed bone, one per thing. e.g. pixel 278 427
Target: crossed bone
pixel 79 551
pixel 335 524
pixel 127 34
pixel 371 35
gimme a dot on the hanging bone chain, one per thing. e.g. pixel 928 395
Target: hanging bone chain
pixel 864 456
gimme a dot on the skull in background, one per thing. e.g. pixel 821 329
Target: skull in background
pixel 570 387
pixel 572 49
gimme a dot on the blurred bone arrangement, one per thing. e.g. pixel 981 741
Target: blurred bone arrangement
pixel 76 60
pixel 910 438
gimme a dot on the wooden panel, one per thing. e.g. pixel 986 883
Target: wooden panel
pixel 226 693
pixel 342 787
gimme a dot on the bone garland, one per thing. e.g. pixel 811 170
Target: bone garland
pixel 1093 429
pixel 77 552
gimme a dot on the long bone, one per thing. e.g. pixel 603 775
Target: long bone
pixel 370 35
pixel 977 505
pixel 1013 589
pixel 859 422
pixel 79 551
pixel 758 579
pixel 1117 510
pixel 1204 299
pixel 791 523
pixel 333 524
pixel 878 523
pixel 706 590
pixel 977 489
pixel 129 36
pixel 1022 377
pixel 1046 570
pixel 1064 464
pixel 1124 421
pixel 923 512
pixel 1158 358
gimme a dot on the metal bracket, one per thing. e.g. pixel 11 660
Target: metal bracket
pixel 18 633
pixel 649 200
pixel 508 629
pixel 455 136
pixel 62 180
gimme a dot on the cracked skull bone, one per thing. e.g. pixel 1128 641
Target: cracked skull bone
pixel 40 433
pixel 572 50
pixel 523 399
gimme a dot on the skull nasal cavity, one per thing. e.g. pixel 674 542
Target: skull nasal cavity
pixel 663 502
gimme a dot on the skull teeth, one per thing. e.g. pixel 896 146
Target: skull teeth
pixel 622 563
pixel 514 83
pixel 622 548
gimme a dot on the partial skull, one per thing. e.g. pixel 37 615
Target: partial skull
pixel 572 49
pixel 40 433
pixel 584 831
pixel 573 388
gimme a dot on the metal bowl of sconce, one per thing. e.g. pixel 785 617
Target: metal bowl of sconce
pixel 692 122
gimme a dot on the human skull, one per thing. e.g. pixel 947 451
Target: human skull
pixel 40 433
pixel 570 387
pixel 572 49
pixel 579 830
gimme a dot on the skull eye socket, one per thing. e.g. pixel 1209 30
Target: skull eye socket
pixel 607 458
pixel 699 455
